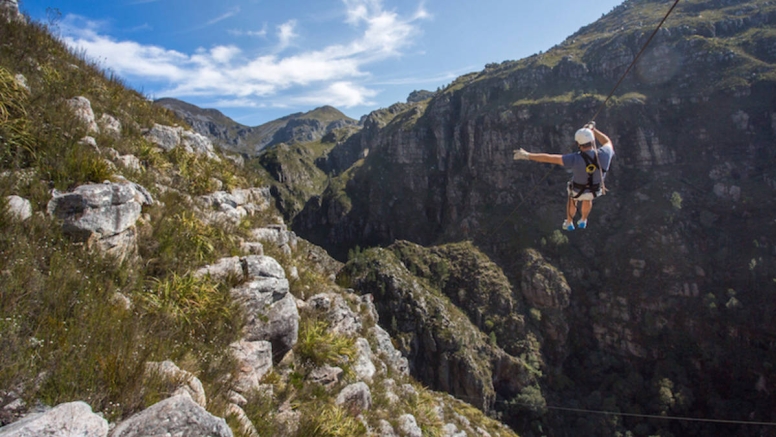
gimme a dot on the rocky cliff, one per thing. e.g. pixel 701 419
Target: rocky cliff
pixel 669 287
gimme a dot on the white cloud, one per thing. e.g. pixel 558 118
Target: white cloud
pixel 339 94
pixel 286 34
pixel 324 75
pixel 254 33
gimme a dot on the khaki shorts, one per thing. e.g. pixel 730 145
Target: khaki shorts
pixel 587 195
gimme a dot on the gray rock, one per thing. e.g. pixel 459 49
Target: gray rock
pixel 104 215
pixel 22 82
pixel 82 108
pixel 263 267
pixel 106 209
pixel 165 137
pixel 10 9
pixel 385 429
pixel 198 144
pixel 252 248
pixel 356 397
pixel 131 162
pixel 188 383
pixel 222 269
pixel 450 430
pixel 20 208
pixel 110 125
pixel 386 350
pixel 277 235
pixel 175 416
pixel 255 361
pixel 271 312
pixel 326 376
pixel 74 419
pixel 89 141
pixel 408 426
pixel 363 366
pixel 342 320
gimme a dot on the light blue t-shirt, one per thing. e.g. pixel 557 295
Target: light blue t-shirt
pixel 577 164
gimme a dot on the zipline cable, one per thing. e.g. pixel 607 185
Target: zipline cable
pixel 655 416
pixel 643 49
pixel 637 415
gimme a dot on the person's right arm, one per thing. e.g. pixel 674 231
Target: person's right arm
pixel 602 139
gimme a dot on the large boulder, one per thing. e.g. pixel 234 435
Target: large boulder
pixel 175 416
pixel 255 360
pixel 82 108
pixel 232 206
pixel 74 419
pixel 168 138
pixel 187 383
pixel 356 397
pixel 271 312
pixel 103 215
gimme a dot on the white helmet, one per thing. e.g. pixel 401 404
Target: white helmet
pixel 584 136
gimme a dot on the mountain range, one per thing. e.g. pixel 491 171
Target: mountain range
pixel 167 270
pixel 669 309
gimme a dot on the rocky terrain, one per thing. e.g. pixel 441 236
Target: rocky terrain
pixel 449 269
pixel 151 286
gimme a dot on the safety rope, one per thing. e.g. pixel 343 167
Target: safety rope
pixel 617 413
pixel 643 49
pixel 570 204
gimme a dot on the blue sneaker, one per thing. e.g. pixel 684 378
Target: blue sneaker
pixel 568 226
pixel 582 224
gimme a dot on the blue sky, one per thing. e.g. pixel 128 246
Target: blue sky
pixel 259 60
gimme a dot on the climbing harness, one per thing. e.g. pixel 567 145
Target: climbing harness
pixel 590 169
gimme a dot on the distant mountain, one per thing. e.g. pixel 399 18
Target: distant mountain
pixel 239 138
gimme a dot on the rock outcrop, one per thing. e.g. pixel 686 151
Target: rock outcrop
pixel 178 415
pixel 443 347
pixel 74 419
pixel 169 137
pixel 102 215
pixel 10 9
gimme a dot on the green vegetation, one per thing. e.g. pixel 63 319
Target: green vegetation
pixel 76 325
pixel 65 333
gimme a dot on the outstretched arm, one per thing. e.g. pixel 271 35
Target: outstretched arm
pixel 521 154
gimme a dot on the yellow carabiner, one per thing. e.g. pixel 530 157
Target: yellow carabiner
pixel 591 168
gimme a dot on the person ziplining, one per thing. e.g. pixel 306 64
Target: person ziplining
pixel 588 166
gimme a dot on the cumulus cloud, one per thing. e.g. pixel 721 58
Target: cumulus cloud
pixel 331 75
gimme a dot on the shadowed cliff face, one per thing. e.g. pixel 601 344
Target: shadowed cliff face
pixel 673 279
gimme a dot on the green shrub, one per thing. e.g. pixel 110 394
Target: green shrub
pixel 318 345
pixel 329 420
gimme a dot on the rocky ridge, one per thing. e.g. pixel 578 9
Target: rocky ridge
pixel 250 141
